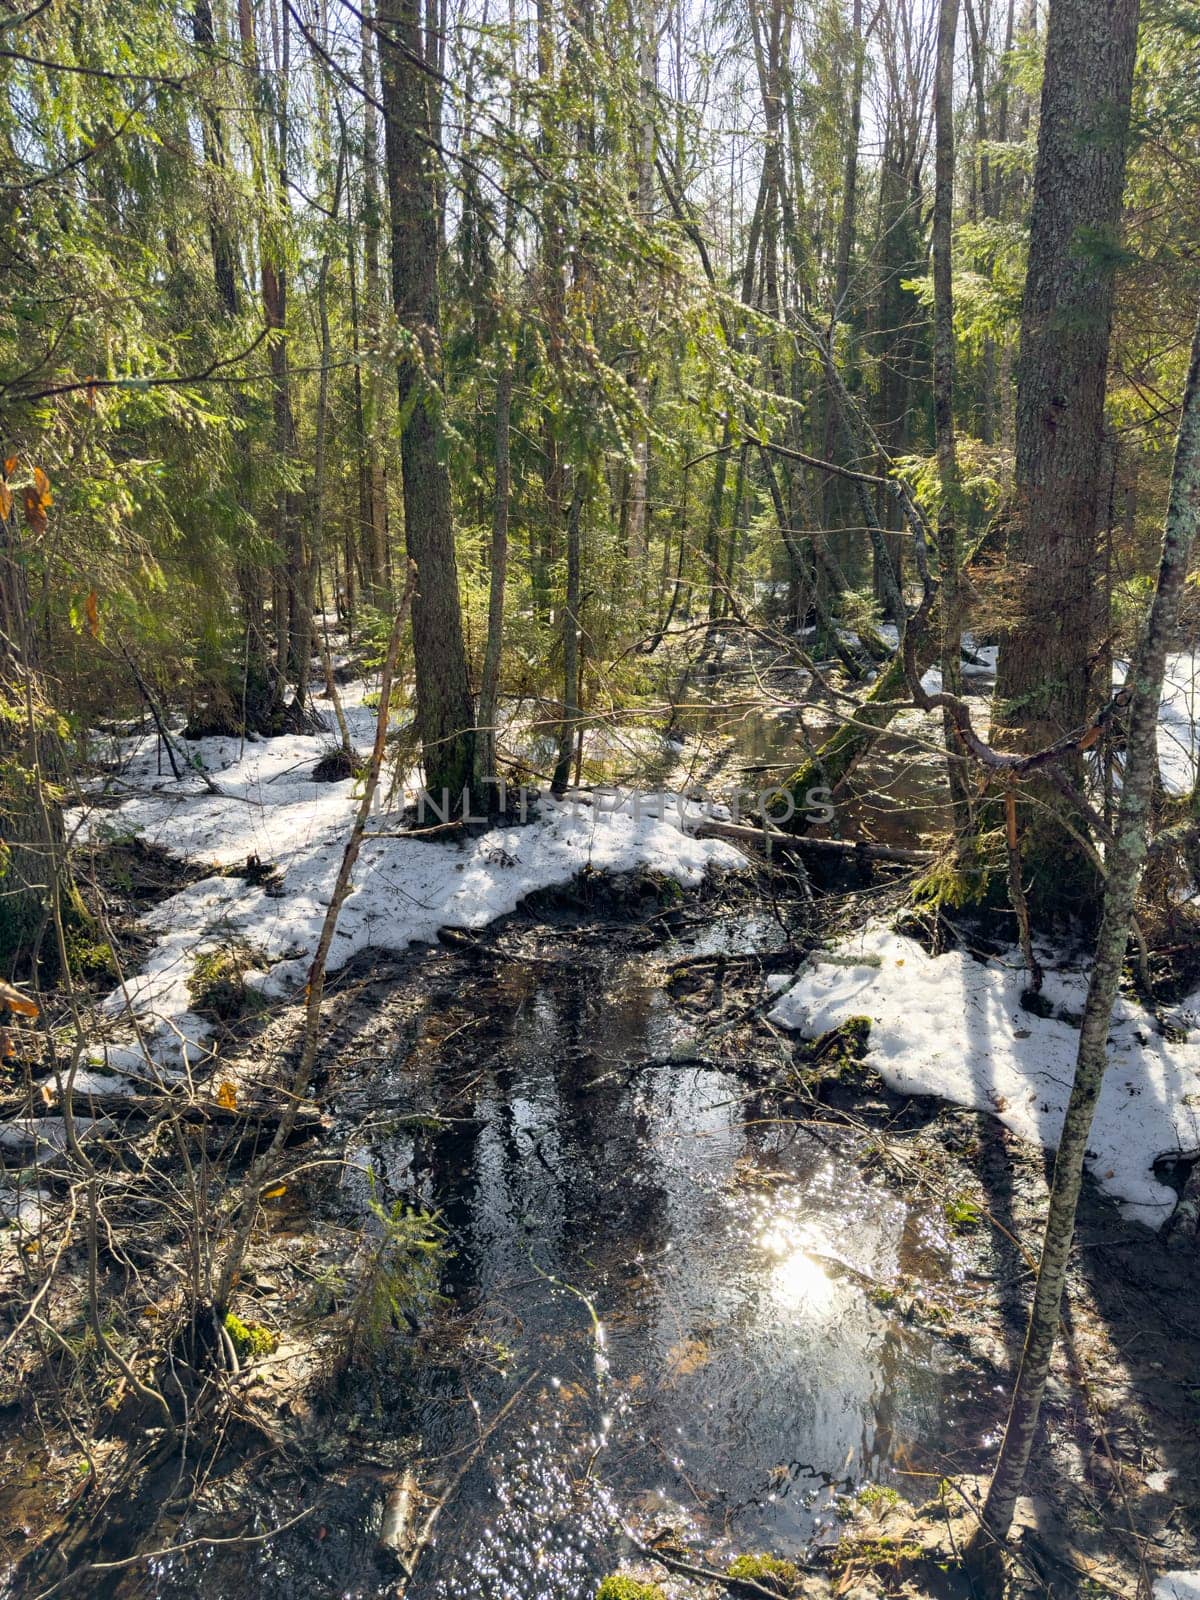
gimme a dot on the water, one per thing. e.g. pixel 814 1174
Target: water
pixel 674 1282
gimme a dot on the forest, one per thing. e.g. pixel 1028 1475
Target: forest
pixel 600 799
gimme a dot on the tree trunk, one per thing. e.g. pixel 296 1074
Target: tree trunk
pixel 1124 861
pixel 224 251
pixel 1043 687
pixel 26 741
pixel 635 532
pixel 445 714
pixel 375 532
pixel 489 688
pixel 570 713
pixel 943 403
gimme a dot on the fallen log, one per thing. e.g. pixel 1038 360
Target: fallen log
pixel 261 1112
pixel 847 849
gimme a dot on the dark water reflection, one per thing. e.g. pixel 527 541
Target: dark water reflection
pixel 687 1276
pixel 682 1282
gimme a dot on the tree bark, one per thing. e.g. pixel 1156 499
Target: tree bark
pixel 570 712
pixel 943 402
pixel 490 686
pixel 445 713
pixel 1043 687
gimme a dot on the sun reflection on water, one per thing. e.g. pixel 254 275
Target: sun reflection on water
pixel 798 1281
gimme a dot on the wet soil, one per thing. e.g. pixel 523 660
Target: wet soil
pixel 696 1285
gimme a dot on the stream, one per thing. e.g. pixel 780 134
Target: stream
pixel 679 1278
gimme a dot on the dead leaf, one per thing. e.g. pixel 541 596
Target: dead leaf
pixel 16 1001
pixel 274 1191
pixel 10 465
pixel 92 612
pixel 6 502
pixel 226 1095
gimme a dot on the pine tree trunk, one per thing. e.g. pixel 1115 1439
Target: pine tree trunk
pixel 445 713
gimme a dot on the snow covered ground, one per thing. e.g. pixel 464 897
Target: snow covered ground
pixel 953 1026
pixel 1177 1586
pixel 1178 738
pixel 405 889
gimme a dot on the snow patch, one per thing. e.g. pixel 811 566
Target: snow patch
pixel 1177 1586
pixel 405 888
pixel 1178 738
pixel 954 1026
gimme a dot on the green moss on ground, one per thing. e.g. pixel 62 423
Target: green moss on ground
pixel 773 1572
pixel 620 1586
pixel 250 1339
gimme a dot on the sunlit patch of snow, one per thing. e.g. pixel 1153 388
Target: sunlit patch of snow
pixel 1178 738
pixel 1177 1586
pixel 954 1026
pixel 405 888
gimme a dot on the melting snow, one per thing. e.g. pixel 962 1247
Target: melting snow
pixel 1177 1586
pixel 405 888
pixel 1178 739
pixel 953 1026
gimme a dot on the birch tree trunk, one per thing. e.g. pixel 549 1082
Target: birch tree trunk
pixel 1123 871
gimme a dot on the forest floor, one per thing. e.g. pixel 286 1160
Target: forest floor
pixel 704 1286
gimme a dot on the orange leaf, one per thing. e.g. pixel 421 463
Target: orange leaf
pixel 16 1001
pixel 10 464
pixel 35 511
pixel 274 1191
pixel 92 612
pixel 226 1095
pixel 42 484
pixel 6 502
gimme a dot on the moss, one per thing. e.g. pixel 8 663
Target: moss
pixel 620 1586
pixel 91 958
pixel 876 1552
pixel 877 1498
pixel 773 1572
pixel 218 983
pixel 250 1338
pixel 838 1055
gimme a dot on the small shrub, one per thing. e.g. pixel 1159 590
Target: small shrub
pixel 218 983
pixel 962 1213
pixel 398 1281
pixel 334 766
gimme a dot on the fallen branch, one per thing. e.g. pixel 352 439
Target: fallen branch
pixel 692 1569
